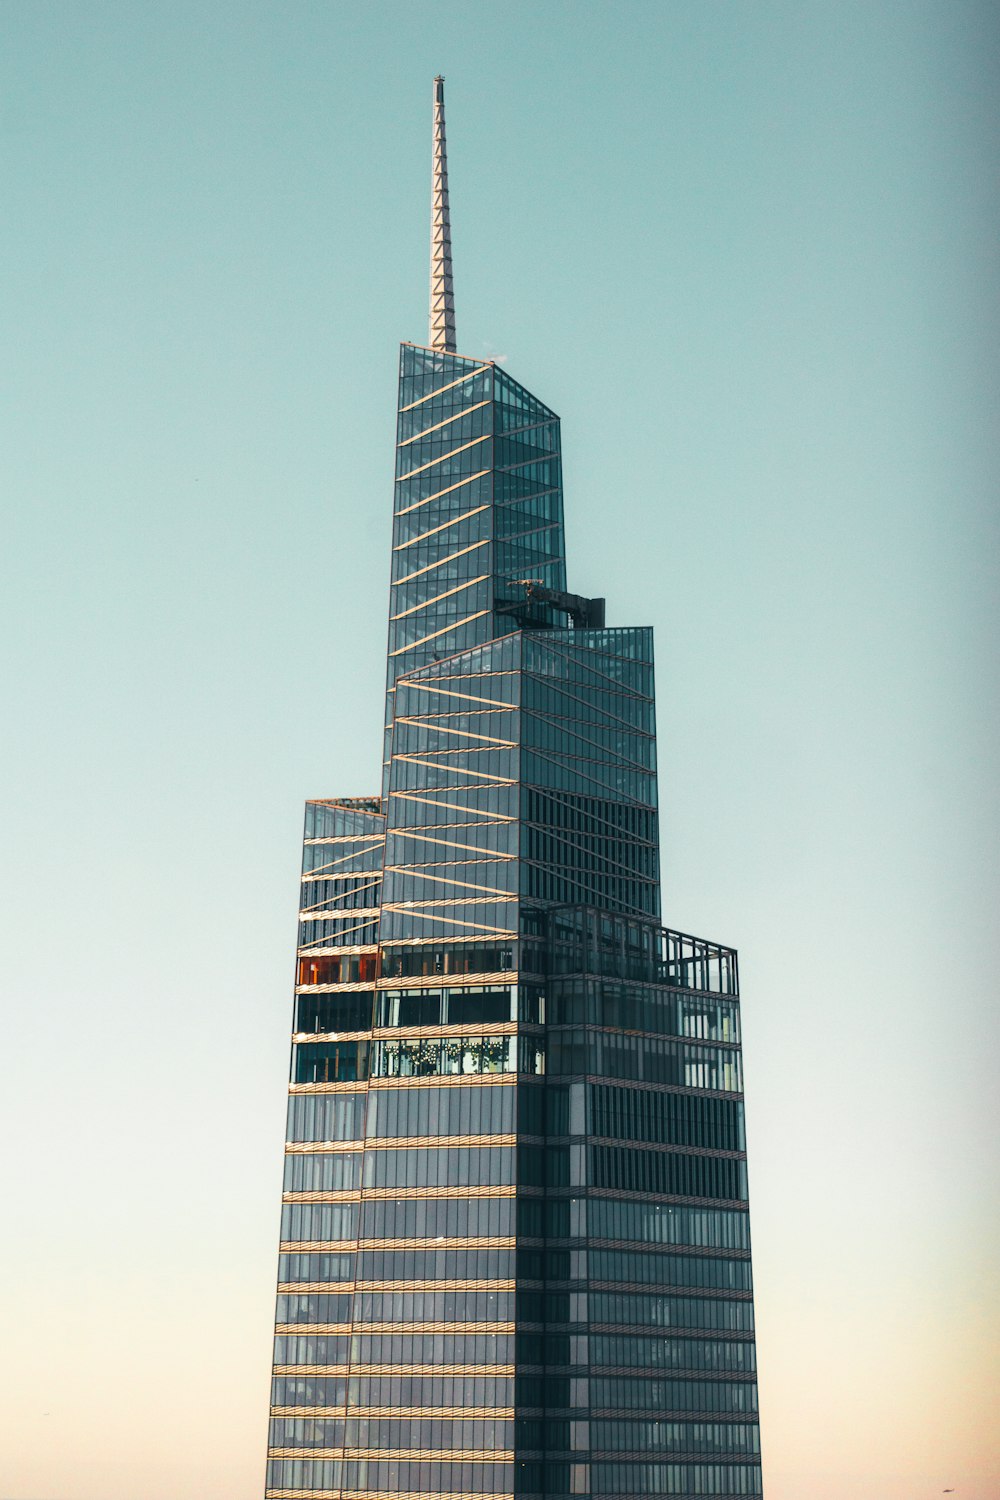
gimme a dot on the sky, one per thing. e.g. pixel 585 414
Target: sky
pixel 748 253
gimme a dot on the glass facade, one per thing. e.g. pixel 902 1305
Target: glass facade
pixel 515 1245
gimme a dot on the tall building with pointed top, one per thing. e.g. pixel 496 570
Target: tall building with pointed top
pixel 515 1246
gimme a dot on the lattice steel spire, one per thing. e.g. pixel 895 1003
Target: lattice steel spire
pixel 442 321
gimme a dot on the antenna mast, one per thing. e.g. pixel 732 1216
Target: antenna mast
pixel 442 319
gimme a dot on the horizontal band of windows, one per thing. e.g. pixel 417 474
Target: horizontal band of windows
pixel 326 937
pixel 625 1395
pixel 413 1032
pixel 487 1079
pixel 443 963
pixel 491 1409
pixel 326 1117
pixel 487 978
pixel 359 1454
pixel 319 1221
pixel 389 1393
pixel 458 1109
pixel 324 1148
pixel 638 1222
pixel 609 1054
pixel 461 1266
pixel 720 1356
pixel 314 1307
pixel 622 949
pixel 673 1200
pixel 457 1307
pixel 350 1286
pixel 430 1327
pixel 438 1479
pixel 441 1167
pixel 445 1006
pixel 667 1115
pixel 667 1173
pixel 322 1171
pixel 436 1056
pixel 375 1194
pixel 649 1312
pixel 402 1372
pixel 340 1010
pixel 485 1433
pixel 336 1494
pixel 426 1394
pixel 419 1348
pixel 330 1062
pixel 456 1242
pixel 449 1242
pixel 680 1148
pixel 577 1349
pixel 674 1479
pixel 425 1284
pixel 613 1265
pixel 311 1349
pixel 656 1009
pixel 317 1268
pixel 430 1265
pixel 679 1437
pixel 408 1218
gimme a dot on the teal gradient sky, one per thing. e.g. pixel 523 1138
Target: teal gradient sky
pixel 748 252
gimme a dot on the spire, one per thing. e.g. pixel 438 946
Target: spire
pixel 442 322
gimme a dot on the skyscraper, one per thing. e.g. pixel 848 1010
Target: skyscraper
pixel 515 1254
